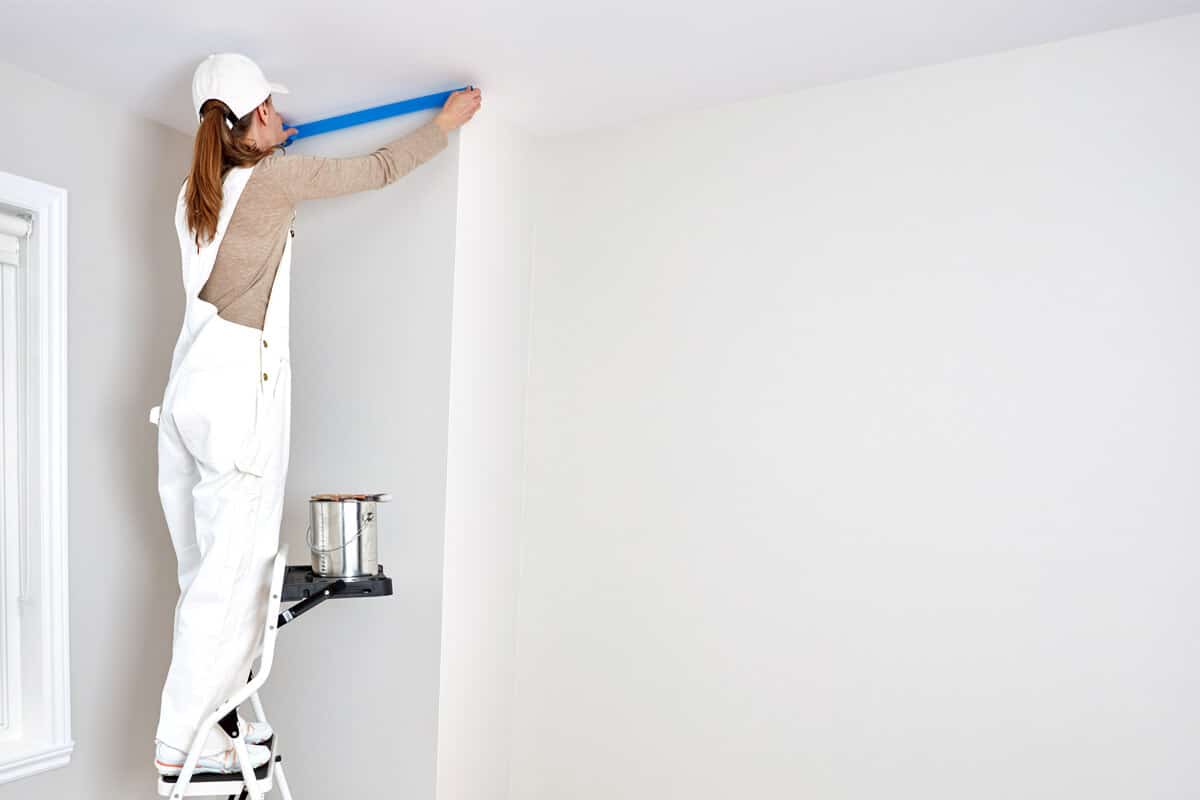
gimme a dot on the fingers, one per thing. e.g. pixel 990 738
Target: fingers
pixel 461 105
pixel 470 101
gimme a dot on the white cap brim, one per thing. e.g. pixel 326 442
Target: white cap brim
pixel 277 88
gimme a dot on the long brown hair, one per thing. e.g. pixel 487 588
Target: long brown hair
pixel 218 149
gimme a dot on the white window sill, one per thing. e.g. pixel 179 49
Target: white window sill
pixel 22 759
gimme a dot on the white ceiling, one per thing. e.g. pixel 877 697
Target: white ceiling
pixel 551 65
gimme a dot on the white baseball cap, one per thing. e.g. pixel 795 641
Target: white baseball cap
pixel 233 79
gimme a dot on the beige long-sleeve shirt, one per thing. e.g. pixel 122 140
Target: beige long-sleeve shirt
pixel 249 255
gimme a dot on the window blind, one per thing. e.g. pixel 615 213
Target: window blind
pixel 13 229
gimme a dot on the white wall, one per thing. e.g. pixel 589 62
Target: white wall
pixel 122 175
pixel 355 691
pixel 862 449
pixel 489 352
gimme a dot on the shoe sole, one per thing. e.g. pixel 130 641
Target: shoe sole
pixel 169 771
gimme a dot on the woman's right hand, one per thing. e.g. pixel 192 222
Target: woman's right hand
pixel 459 108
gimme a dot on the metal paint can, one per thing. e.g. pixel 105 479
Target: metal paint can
pixel 343 534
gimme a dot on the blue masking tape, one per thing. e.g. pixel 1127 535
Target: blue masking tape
pixel 370 115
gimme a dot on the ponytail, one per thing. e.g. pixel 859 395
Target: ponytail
pixel 221 144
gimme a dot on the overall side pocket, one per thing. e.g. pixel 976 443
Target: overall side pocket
pixel 216 413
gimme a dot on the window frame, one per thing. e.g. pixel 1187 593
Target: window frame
pixel 41 740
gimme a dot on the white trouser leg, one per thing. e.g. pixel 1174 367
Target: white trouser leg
pixel 216 623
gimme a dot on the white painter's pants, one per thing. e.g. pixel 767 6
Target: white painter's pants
pixel 223 434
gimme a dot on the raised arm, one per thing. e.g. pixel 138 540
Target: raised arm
pixel 308 177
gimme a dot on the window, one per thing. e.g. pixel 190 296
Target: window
pixel 35 713
pixel 13 231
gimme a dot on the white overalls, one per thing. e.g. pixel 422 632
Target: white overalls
pixel 223 446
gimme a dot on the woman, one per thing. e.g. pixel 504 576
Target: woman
pixel 224 422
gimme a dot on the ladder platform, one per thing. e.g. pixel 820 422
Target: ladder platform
pixel 300 583
pixel 209 784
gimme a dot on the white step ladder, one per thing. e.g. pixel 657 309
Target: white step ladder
pixel 287 583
